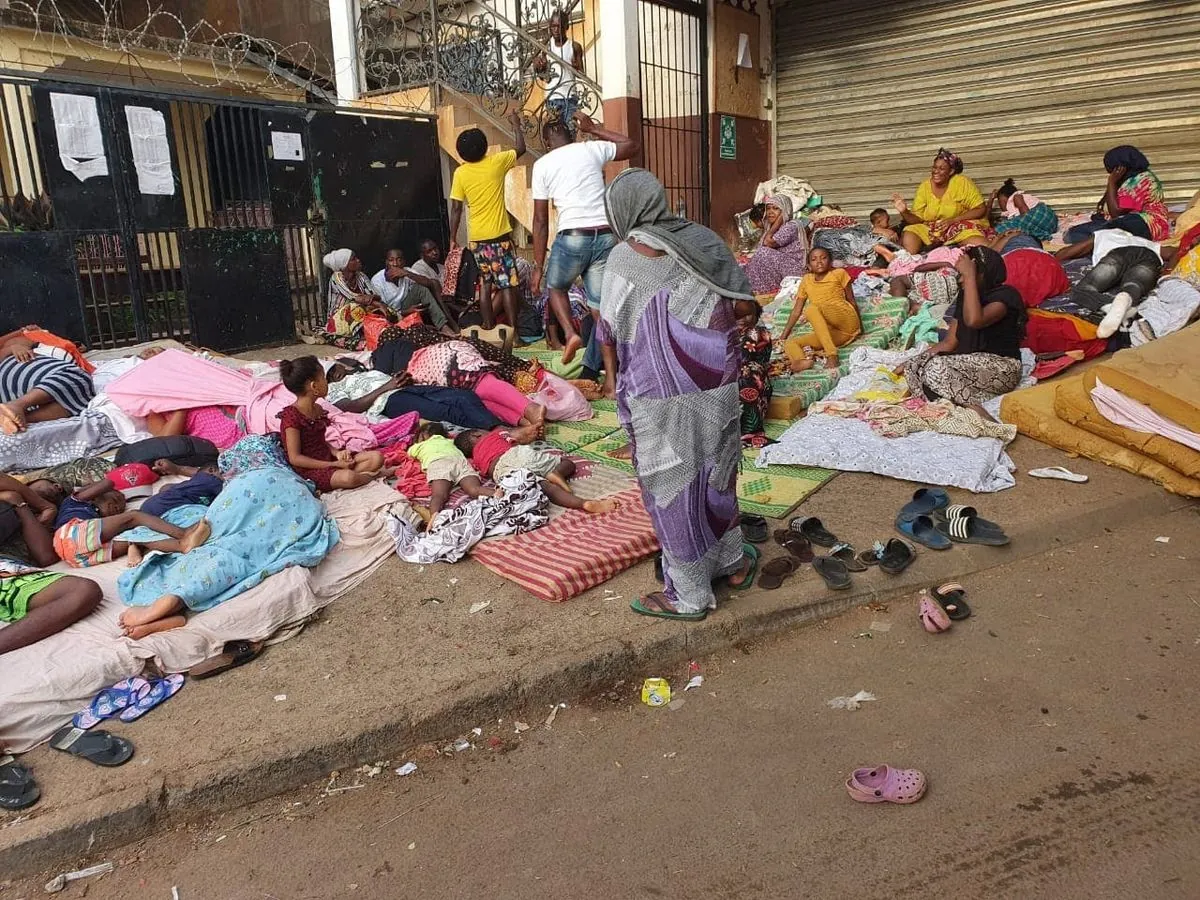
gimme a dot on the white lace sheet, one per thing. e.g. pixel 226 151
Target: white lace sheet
pixel 848 445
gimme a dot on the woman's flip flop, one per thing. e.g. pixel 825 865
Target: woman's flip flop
pixel 111 701
pixel 18 790
pixel 924 502
pixel 812 529
pixel 160 692
pixel 776 572
pixel 933 617
pixel 97 747
pixel 751 551
pixel 834 571
pixel 953 599
pixel 655 606
pixel 798 546
pixel 849 556
pixel 1060 473
pixel 922 531
pixel 897 556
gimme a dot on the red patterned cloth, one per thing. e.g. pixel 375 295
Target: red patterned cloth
pixel 835 221
pixel 453 267
pixel 601 547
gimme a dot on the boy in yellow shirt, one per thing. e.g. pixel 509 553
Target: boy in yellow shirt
pixel 827 303
pixel 479 183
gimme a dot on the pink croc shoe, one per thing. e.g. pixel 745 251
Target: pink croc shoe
pixel 932 615
pixel 883 784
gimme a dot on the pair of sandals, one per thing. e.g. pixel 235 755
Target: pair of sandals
pixel 942 606
pixel 931 520
pixel 19 790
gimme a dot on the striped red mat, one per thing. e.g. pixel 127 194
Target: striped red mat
pixel 575 552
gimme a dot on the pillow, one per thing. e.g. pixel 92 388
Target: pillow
pixel 1036 275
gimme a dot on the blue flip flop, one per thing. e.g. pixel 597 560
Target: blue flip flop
pixel 111 701
pixel 160 692
pixel 921 530
pixel 924 502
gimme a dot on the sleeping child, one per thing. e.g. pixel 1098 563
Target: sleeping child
pixel 445 466
pixel 497 452
pixel 91 519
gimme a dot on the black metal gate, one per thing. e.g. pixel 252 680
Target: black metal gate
pixel 133 215
pixel 672 39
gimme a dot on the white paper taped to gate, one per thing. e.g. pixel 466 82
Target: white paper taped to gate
pixel 80 141
pixel 287 145
pixel 151 150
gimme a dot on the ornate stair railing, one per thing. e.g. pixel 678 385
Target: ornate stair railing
pixel 476 52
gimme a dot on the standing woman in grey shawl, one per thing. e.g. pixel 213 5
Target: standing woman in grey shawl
pixel 667 308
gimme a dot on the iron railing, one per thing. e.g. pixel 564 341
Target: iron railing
pixel 476 51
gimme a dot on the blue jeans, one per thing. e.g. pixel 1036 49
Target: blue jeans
pixel 1131 222
pixel 575 255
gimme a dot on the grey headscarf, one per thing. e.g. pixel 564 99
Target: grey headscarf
pixel 636 204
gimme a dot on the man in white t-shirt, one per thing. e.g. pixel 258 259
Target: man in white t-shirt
pixel 572 176
pixel 399 290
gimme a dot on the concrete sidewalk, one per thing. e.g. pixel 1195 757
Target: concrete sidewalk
pixel 386 668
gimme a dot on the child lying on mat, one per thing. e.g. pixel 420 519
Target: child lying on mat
pixel 497 452
pixel 906 261
pixel 445 466
pixel 90 520
pixel 202 487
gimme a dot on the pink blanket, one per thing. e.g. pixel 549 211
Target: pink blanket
pixel 175 380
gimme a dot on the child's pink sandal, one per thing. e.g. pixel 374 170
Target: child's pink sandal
pixel 932 616
pixel 884 784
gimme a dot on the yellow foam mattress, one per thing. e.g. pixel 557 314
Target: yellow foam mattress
pixel 1032 411
pixel 1164 374
pixel 1073 404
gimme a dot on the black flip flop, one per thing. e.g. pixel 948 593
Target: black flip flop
pixel 967 512
pixel 849 556
pixel 18 790
pixel 754 529
pixel 812 529
pixel 97 747
pixel 897 556
pixel 924 502
pixel 794 544
pixel 953 599
pixel 234 654
pixel 834 571
pixel 777 571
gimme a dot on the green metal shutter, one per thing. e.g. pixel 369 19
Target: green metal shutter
pixel 1037 91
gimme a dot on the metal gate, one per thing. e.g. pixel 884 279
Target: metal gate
pixel 128 215
pixel 672 39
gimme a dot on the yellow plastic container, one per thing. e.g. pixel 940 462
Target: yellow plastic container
pixel 656 692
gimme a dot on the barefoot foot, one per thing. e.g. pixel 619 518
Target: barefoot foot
pixel 12 418
pixel 599 507
pixel 140 631
pixel 573 345
pixel 133 557
pixel 625 452
pixel 195 536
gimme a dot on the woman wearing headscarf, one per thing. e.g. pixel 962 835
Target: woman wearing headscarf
pixel 980 356
pixel 782 251
pixel 948 208
pixel 667 308
pixel 351 299
pixel 1133 202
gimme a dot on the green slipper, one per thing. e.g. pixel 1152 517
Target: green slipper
pixel 648 606
pixel 751 551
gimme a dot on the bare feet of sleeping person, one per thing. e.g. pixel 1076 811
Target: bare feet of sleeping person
pixel 195 536
pixel 599 507
pixel 137 620
pixel 141 631
pixel 133 556
pixel 12 418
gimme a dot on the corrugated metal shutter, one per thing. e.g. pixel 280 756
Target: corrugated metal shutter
pixel 867 91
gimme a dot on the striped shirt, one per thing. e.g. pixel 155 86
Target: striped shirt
pixel 66 383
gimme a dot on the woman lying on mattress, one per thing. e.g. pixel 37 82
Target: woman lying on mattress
pixel 980 356
pixel 36 387
pixel 265 519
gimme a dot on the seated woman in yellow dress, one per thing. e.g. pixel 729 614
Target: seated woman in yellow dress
pixel 948 208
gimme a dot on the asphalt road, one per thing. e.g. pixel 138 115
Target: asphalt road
pixel 1056 728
